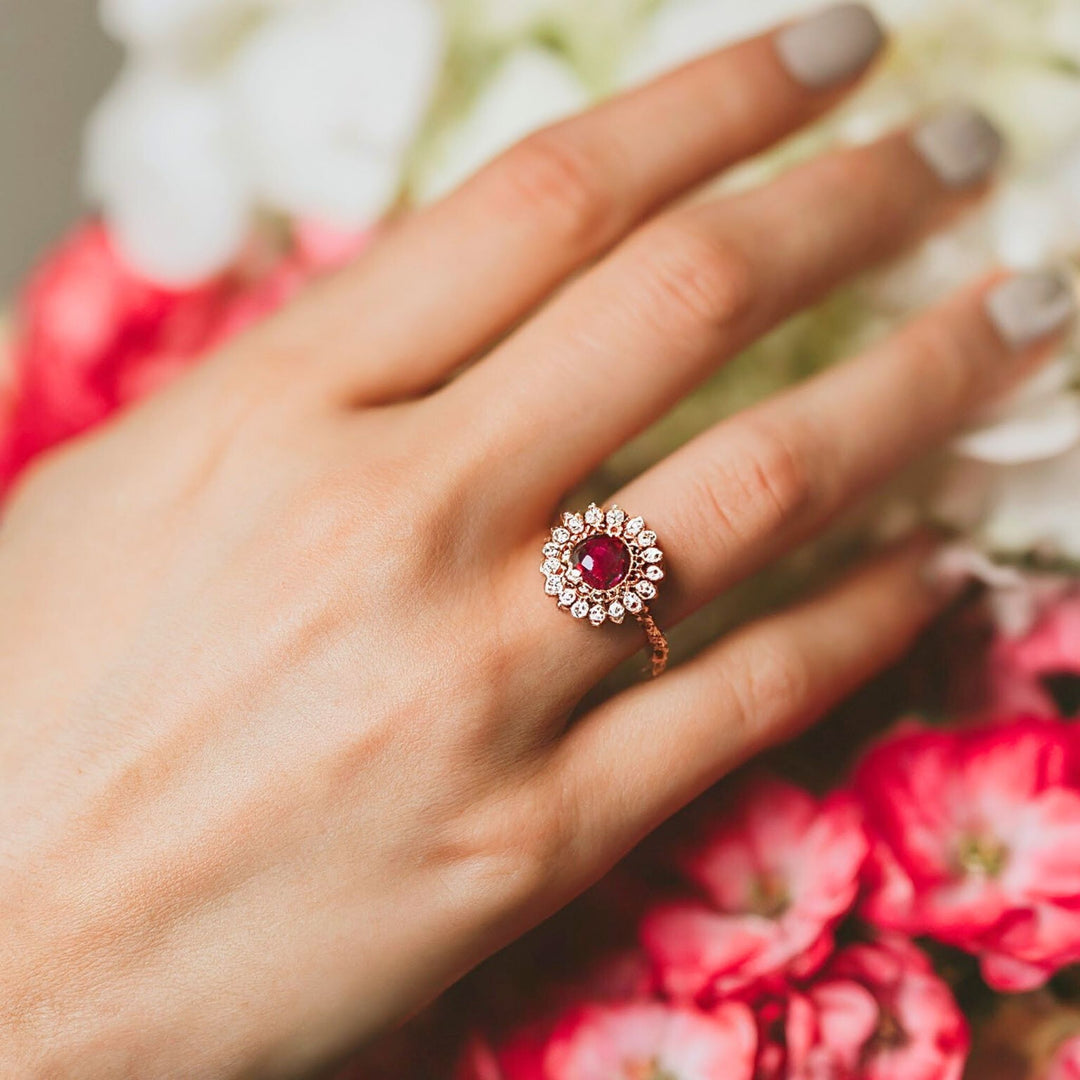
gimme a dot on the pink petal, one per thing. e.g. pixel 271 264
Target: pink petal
pixel 848 1016
pixel 605 1042
pixel 1012 976
pixel 692 946
pixel 1066 1062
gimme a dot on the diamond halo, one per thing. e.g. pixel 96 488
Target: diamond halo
pixel 602 565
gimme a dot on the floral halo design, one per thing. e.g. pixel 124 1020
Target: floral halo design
pixel 602 565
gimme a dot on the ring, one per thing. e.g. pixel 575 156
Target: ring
pixel 602 566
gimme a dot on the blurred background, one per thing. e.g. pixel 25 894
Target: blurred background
pixel 54 64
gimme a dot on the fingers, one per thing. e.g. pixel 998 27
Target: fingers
pixel 648 752
pixel 449 281
pixel 693 288
pixel 754 487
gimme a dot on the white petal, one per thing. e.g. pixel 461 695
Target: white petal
pixel 1030 225
pixel 1037 106
pixel 159 159
pixel 532 88
pixel 1036 433
pixel 1037 508
pixel 328 98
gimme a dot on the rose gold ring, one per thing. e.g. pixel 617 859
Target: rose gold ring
pixel 601 566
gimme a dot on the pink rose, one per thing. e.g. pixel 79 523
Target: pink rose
pixel 976 841
pixel 877 1012
pixel 1066 1062
pixel 776 877
pixel 647 1040
pixel 1040 673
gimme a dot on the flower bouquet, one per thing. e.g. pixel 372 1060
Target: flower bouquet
pixel 898 894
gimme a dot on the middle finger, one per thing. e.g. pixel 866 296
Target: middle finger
pixel 625 343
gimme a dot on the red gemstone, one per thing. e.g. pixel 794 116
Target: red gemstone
pixel 604 561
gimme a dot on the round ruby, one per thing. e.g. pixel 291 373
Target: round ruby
pixel 604 561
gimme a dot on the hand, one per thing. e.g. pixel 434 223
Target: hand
pixel 284 745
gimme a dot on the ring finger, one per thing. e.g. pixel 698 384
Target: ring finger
pixel 753 487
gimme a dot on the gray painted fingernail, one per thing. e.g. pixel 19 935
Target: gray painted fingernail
pixel 961 145
pixel 831 46
pixel 1027 308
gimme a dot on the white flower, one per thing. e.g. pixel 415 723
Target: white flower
pixel 1032 495
pixel 532 88
pixel 305 108
pixel 327 99
pixel 161 159
pixel 1039 422
pixel 1036 508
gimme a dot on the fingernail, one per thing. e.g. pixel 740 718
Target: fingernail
pixel 831 46
pixel 1027 308
pixel 961 145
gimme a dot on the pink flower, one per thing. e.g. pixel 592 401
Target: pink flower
pixel 1040 673
pixel 1066 1062
pixel 616 978
pixel 93 335
pixel 776 877
pixel 877 1012
pixel 649 1040
pixel 976 841
pixel 521 1058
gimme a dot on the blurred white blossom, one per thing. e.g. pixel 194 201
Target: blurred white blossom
pixel 306 108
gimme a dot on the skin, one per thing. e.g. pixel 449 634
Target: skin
pixel 283 708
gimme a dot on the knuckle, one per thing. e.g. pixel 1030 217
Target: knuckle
pixel 949 354
pixel 773 684
pixel 551 177
pixel 764 487
pixel 693 278
pixel 515 848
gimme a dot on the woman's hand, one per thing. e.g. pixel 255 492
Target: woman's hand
pixel 283 706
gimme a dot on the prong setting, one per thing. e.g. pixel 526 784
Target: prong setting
pixel 602 565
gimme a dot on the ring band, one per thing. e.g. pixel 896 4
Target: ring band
pixel 603 565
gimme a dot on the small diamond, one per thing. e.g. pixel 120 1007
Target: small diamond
pixel 654 573
pixel 567 597
pixel 633 527
pixel 615 517
pixel 574 522
pixel 633 603
pixel 653 555
pixel 647 539
pixel 560 535
pixel 646 589
pixel 597 615
pixel 616 612
pixel 551 566
pixel 580 609
pixel 594 515
pixel 553 586
pixel 551 551
pixel 573 574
